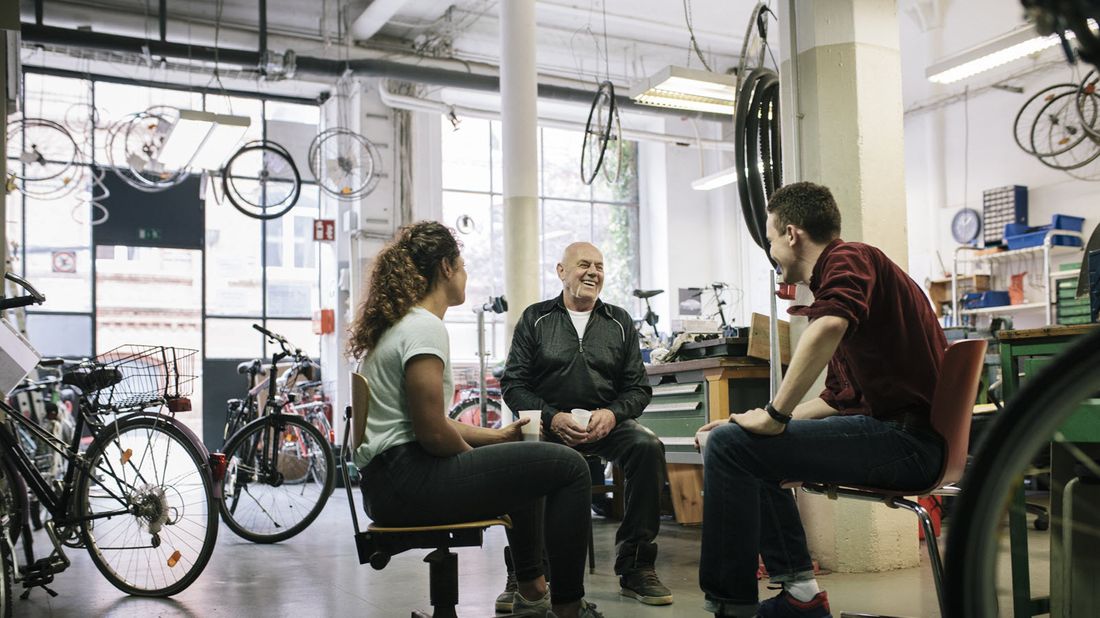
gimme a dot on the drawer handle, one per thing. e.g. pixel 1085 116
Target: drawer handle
pixel 672 407
pixel 675 389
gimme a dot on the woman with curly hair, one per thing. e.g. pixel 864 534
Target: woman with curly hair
pixel 422 468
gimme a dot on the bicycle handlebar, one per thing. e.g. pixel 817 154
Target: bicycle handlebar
pixel 289 348
pixel 35 297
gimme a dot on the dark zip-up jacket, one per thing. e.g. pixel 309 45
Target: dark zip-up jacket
pixel 551 369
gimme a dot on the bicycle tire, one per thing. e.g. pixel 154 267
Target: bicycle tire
pixel 466 406
pixel 259 516
pixel 257 211
pixel 175 487
pixel 1068 140
pixel 7 578
pixel 13 500
pixel 1022 132
pixel 606 92
pixel 1042 405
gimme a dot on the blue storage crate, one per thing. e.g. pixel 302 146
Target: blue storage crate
pixel 1015 229
pixel 1035 239
pixel 989 298
pixel 1068 222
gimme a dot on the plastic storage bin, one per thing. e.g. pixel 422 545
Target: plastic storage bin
pixel 989 298
pixel 1067 222
pixel 1035 239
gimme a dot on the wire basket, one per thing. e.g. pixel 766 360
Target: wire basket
pixel 149 374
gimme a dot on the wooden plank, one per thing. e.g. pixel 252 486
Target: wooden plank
pixel 685 482
pixel 760 338
pixel 1046 331
pixel 701 365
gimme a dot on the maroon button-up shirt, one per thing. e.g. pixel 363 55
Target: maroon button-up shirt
pixel 888 362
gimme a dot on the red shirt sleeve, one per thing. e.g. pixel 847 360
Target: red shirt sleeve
pixel 843 288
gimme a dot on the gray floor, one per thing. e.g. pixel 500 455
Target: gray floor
pixel 317 574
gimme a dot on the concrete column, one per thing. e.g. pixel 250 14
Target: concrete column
pixel 519 116
pixel 843 127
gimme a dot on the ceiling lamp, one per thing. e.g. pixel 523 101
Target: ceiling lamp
pixel 688 89
pixel 202 140
pixel 1021 42
pixel 722 178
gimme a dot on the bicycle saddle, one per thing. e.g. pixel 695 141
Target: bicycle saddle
pixel 93 380
pixel 646 293
pixel 253 366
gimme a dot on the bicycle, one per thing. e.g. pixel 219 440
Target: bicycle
pixel 139 498
pixel 280 468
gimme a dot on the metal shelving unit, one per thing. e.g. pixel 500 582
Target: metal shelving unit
pixel 1047 250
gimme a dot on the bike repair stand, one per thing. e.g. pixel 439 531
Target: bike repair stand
pixel 496 304
pixel 650 317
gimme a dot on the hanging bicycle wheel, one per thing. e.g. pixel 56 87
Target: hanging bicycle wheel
pixel 261 180
pixel 1058 137
pixel 345 164
pixel 598 131
pixel 754 46
pixel 1086 102
pixel 1029 111
pixel 757 153
pixel 134 144
pixel 43 148
pixel 148 507
pixel 613 155
pixel 279 476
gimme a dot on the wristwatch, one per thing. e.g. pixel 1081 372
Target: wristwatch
pixel 776 414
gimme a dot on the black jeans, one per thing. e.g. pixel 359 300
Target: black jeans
pixel 640 454
pixel 746 512
pixel 405 485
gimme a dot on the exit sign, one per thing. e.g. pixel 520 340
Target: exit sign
pixel 148 233
pixel 324 230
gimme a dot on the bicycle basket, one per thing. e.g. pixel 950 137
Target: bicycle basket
pixel 148 375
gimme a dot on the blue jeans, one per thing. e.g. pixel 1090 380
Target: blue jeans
pixel 746 512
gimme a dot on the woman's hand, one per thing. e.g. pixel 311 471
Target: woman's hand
pixel 513 432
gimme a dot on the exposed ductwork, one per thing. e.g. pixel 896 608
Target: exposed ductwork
pixel 307 67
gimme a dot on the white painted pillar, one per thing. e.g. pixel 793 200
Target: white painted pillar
pixel 519 114
pixel 843 128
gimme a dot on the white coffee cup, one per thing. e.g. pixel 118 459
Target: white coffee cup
pixel 532 429
pixel 581 417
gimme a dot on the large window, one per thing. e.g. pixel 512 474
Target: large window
pixel 252 271
pixel 604 214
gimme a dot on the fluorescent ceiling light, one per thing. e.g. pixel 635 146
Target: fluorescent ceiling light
pixel 689 89
pixel 1019 43
pixel 725 177
pixel 202 139
pixel 222 140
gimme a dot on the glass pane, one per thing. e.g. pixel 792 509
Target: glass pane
pixel 58 250
pixel 299 333
pixel 615 232
pixel 561 171
pixel 233 271
pixel 497 155
pixel 14 224
pixel 292 279
pixel 63 100
pixel 626 189
pixel 60 335
pixel 463 336
pixel 562 223
pixel 294 127
pixel 465 155
pixel 477 248
pixel 233 339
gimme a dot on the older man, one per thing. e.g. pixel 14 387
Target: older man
pixel 575 351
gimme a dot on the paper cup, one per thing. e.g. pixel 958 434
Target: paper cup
pixel 581 417
pixel 532 429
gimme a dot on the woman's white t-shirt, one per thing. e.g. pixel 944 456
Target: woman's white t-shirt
pixel 388 421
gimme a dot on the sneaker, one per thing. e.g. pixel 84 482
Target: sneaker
pixel 506 598
pixel 539 608
pixel 784 605
pixel 642 584
pixel 588 610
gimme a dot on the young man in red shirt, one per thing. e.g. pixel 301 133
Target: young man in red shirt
pixel 874 328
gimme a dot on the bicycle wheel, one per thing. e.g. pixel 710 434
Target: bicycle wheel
pixel 147 504
pixel 1033 420
pixel 7 576
pixel 279 476
pixel 13 501
pixel 1029 111
pixel 468 411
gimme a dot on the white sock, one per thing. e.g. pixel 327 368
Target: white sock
pixel 803 590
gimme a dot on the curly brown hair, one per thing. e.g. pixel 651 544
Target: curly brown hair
pixel 403 274
pixel 808 206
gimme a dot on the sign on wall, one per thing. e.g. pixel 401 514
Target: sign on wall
pixel 324 230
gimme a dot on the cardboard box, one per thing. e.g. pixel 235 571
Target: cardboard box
pixel 940 289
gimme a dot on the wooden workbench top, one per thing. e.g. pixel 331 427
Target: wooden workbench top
pixel 701 364
pixel 1046 332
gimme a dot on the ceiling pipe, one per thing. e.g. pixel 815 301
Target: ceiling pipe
pixel 329 69
pixel 417 104
pixel 374 17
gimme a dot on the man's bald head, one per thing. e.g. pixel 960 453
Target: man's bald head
pixel 581 274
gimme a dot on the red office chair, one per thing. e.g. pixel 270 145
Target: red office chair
pixel 952 407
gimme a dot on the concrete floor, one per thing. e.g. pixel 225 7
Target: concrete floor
pixel 317 574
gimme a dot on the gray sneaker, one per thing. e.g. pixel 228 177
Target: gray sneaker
pixel 642 584
pixel 539 608
pixel 506 598
pixel 588 610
